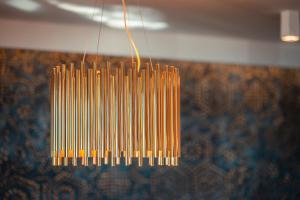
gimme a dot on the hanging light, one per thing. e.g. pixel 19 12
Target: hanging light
pixel 289 26
pixel 101 114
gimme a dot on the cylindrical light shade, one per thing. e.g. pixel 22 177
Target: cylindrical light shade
pixel 106 113
pixel 290 26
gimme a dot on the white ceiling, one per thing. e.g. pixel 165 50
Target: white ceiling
pixel 218 31
pixel 250 19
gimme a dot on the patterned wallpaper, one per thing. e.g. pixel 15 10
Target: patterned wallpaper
pixel 240 136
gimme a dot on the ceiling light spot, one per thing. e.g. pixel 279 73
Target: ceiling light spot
pixel 24 5
pixel 79 9
pixel 113 15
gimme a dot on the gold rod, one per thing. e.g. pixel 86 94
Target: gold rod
pixel 97 114
pixel 68 115
pixel 126 120
pixel 174 88
pixel 77 140
pixel 60 114
pixel 130 114
pixel 178 118
pixel 141 135
pixel 117 116
pixel 147 113
pixel 112 120
pixel 63 95
pixel 103 111
pixel 164 113
pixel 120 108
pixel 106 115
pixel 172 139
pixel 108 111
pixel 143 114
pixel 90 130
pixel 53 116
pixel 134 109
pixel 155 115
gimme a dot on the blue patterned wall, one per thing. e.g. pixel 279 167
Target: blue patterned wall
pixel 240 137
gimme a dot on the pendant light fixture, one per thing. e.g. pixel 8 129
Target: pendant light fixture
pixel 289 26
pixel 108 113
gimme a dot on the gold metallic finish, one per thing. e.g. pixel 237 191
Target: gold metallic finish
pixel 164 113
pixel 52 96
pixel 103 113
pixel 59 118
pixel 129 121
pixel 99 161
pixel 59 161
pixel 67 114
pixel 76 141
pixel 133 110
pixel 108 111
pixel 74 160
pixel 90 120
pixel 63 112
pixel 112 120
pixel 65 161
pixel 178 117
pixel 143 119
pixel 102 116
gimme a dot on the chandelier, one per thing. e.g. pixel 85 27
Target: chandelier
pixel 106 113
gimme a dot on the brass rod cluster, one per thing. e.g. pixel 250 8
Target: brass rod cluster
pixel 104 113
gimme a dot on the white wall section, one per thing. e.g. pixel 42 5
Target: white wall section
pixel 167 45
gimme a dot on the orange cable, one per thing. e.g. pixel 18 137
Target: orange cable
pixel 130 37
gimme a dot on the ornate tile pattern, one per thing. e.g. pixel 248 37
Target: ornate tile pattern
pixel 240 136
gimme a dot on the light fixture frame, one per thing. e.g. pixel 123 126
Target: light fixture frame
pixel 104 113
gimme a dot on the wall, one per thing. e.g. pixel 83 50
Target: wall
pixel 165 45
pixel 240 136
